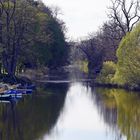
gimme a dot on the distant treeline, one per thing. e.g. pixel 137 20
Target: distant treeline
pixel 31 36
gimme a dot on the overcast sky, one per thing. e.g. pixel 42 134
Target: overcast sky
pixel 81 16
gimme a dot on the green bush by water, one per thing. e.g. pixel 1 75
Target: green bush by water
pixel 128 66
pixel 107 73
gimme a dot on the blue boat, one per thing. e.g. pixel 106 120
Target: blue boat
pixel 17 91
pixel 10 96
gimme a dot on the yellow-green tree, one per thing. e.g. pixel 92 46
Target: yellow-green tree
pixel 128 53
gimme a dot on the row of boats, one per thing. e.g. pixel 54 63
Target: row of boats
pixel 8 92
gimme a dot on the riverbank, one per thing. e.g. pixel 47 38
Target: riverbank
pixel 109 76
pixel 59 75
pixel 109 85
pixel 4 78
pixel 64 75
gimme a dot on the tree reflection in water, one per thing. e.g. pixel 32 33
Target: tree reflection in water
pixel 120 110
pixel 34 116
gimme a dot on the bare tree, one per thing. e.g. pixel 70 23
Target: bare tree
pixel 93 51
pixel 15 23
pixel 101 46
pixel 110 36
pixel 126 15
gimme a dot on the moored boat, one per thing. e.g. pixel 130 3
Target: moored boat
pixel 13 92
pixel 17 91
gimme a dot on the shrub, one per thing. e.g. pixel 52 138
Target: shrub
pixel 107 73
pixel 128 66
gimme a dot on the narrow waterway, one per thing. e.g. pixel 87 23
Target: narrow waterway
pixel 82 118
pixel 72 111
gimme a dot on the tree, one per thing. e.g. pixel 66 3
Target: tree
pixel 125 15
pixel 128 66
pixel 52 51
pixel 58 46
pixel 30 35
pixel 17 26
pixel 110 36
pixel 93 51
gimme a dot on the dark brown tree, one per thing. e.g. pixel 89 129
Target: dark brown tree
pixel 110 36
pixel 126 15
pixel 93 52
pixel 17 30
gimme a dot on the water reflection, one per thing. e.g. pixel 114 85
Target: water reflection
pixel 33 116
pixel 120 110
pixel 98 113
pixel 80 119
pixel 72 112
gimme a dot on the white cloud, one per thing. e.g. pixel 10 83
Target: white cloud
pixel 81 16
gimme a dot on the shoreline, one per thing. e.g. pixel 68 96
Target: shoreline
pixel 26 80
pixel 128 88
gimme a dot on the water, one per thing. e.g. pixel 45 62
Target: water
pixel 72 111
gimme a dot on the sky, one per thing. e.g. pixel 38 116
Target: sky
pixel 81 17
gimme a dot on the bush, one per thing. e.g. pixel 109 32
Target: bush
pixel 84 66
pixel 128 66
pixel 107 73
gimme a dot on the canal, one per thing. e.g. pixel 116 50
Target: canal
pixel 72 110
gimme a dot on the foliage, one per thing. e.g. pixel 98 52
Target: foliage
pixel 83 65
pixel 107 73
pixel 30 36
pixel 128 66
pixel 58 45
pixel 52 51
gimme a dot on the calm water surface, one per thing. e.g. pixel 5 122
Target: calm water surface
pixel 72 111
